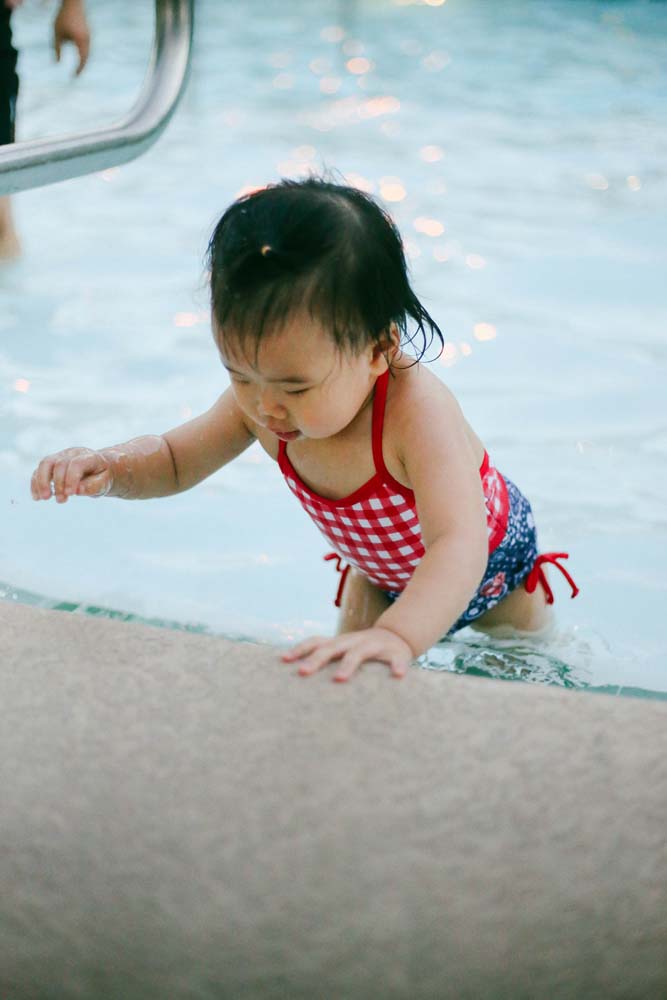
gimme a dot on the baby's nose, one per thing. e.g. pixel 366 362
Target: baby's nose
pixel 269 406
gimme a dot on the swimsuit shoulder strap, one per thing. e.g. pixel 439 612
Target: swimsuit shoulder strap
pixel 284 463
pixel 379 402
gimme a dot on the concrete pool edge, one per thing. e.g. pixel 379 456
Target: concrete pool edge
pixel 181 811
pixel 13 594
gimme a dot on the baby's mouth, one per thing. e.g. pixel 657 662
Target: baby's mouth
pixel 287 435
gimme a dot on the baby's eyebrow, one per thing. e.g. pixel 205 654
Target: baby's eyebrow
pixel 293 379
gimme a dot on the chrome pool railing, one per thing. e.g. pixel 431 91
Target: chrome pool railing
pixel 37 162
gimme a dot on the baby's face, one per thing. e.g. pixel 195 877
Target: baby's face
pixel 300 383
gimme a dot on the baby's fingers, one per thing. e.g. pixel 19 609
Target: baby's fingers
pixel 40 484
pixel 60 475
pixel 349 665
pixel 48 478
pixel 314 654
pixel 304 648
pixel 67 474
pixel 94 486
pixel 77 470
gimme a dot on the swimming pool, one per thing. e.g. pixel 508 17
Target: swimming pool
pixel 521 148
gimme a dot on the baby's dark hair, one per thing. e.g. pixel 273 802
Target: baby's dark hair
pixel 319 246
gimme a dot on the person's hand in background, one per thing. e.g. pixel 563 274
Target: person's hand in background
pixel 71 25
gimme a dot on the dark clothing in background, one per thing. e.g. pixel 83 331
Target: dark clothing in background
pixel 9 81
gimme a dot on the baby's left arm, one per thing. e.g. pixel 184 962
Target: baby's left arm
pixel 444 475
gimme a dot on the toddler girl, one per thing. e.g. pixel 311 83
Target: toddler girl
pixel 316 323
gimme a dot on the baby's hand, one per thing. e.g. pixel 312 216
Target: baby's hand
pixel 74 471
pixel 352 649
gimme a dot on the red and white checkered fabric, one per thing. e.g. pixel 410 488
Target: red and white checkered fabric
pixel 378 534
pixel 376 528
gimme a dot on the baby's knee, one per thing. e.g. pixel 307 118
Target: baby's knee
pixel 519 612
pixel 362 603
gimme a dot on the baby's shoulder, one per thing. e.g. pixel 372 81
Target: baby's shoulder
pixel 420 407
pixel 413 392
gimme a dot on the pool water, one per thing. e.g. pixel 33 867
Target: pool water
pixel 521 148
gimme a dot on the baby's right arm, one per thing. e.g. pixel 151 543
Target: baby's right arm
pixel 150 466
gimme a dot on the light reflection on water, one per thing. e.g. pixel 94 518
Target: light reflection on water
pixel 539 151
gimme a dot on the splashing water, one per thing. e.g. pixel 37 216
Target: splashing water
pixel 564 658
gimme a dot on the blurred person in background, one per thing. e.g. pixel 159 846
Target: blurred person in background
pixel 70 25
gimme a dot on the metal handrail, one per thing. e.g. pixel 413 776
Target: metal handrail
pixel 31 164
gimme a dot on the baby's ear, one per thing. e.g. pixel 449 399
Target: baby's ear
pixel 388 343
pixel 394 337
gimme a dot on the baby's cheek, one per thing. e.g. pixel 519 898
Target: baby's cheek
pixel 313 424
pixel 243 398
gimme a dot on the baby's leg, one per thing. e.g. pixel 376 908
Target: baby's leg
pixel 9 241
pixel 361 605
pixel 518 612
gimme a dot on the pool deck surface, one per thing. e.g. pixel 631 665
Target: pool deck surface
pixel 184 817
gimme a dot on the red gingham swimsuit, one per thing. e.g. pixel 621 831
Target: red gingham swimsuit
pixel 376 528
